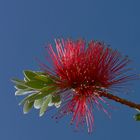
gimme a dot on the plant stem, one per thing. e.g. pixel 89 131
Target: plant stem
pixel 120 100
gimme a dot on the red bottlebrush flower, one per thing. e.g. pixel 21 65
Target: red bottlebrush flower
pixel 85 75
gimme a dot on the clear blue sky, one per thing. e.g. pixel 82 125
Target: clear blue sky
pixel 27 25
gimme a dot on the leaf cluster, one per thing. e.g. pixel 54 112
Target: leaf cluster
pixel 40 91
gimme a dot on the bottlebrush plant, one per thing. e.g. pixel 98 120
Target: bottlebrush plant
pixel 81 77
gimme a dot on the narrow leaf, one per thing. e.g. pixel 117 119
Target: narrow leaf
pixel 29 98
pixel 21 87
pixel 56 99
pixel 27 107
pixel 38 103
pixel 18 82
pixel 39 95
pixel 50 104
pixel 35 84
pixel 29 75
pixel 45 105
pixel 44 78
pixel 43 94
pixel 39 73
pixel 23 91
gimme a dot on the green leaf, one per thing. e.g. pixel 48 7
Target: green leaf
pixel 27 107
pixel 25 79
pixel 39 73
pixel 43 94
pixel 56 99
pixel 35 84
pixel 21 87
pixel 29 75
pixel 45 105
pixel 29 98
pixel 35 96
pixel 18 82
pixel 137 117
pixel 48 89
pixel 23 91
pixel 38 103
pixel 44 78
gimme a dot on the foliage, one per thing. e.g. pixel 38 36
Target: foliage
pixel 39 90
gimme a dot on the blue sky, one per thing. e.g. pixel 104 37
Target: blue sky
pixel 27 25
